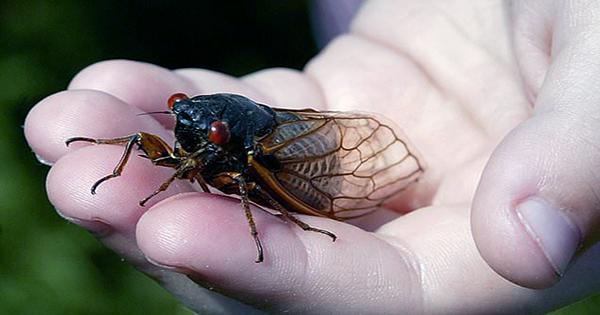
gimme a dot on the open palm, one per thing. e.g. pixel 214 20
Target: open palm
pixel 445 72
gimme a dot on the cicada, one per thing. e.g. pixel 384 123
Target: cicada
pixel 339 165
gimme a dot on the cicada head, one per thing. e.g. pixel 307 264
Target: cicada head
pixel 198 123
pixel 227 121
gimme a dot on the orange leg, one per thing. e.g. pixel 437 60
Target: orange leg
pixel 160 189
pixel 129 141
pixel 153 146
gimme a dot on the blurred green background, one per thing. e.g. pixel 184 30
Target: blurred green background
pixel 50 266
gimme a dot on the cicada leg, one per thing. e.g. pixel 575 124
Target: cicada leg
pixel 153 146
pixel 285 214
pixel 202 183
pixel 186 169
pixel 246 205
pixel 160 189
pixel 129 141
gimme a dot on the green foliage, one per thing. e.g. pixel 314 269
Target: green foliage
pixel 589 306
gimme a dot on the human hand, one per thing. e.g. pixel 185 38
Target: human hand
pixel 536 213
pixel 446 73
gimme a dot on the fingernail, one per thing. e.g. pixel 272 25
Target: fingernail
pixel 556 235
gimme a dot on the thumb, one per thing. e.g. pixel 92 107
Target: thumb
pixel 538 202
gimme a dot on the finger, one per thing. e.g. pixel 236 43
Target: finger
pixel 139 84
pixel 425 262
pixel 538 200
pixel 113 212
pixel 532 23
pixel 209 82
pixel 79 113
pixel 287 88
pixel 457 281
pixel 116 202
pixel 462 61
pixel 207 237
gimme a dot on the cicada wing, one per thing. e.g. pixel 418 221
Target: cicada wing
pixel 341 165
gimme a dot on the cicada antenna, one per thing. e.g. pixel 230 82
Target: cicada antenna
pixel 168 112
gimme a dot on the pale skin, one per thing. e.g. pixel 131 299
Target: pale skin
pixel 501 100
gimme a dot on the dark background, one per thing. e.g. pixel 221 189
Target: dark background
pixel 50 266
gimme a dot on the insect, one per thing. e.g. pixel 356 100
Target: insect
pixel 331 164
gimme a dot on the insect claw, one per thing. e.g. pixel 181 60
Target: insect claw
pixel 100 181
pixel 259 249
pixel 162 187
pixel 142 202
pixel 333 236
pixel 93 189
pixel 75 139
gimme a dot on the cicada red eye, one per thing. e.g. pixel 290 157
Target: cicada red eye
pixel 219 133
pixel 176 98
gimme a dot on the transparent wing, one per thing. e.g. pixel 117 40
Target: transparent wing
pixel 342 165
